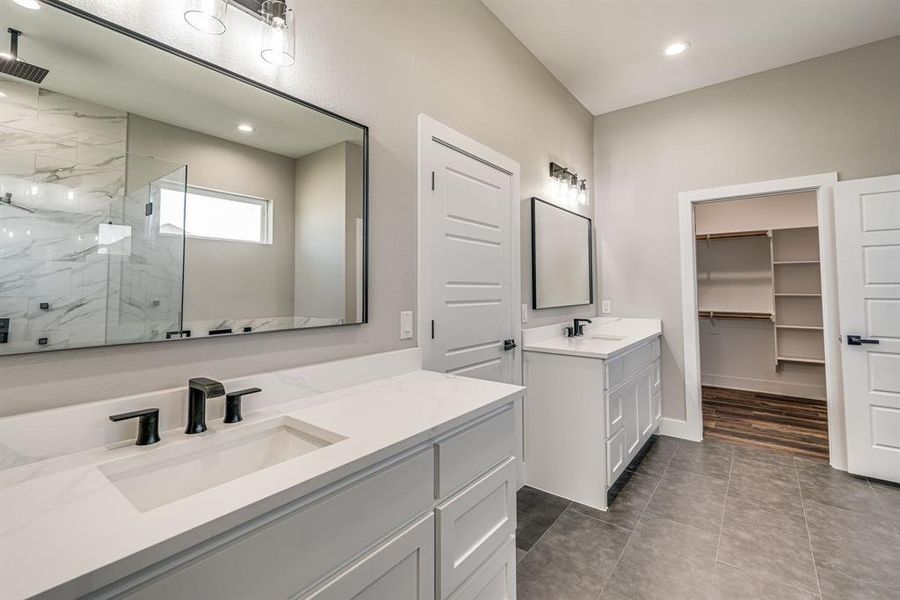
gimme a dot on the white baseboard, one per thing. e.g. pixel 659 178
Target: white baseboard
pixel 798 390
pixel 679 429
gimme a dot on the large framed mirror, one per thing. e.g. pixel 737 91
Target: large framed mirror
pixel 148 196
pixel 561 257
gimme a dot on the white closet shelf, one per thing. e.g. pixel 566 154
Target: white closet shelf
pixel 812 327
pixel 795 262
pixel 799 295
pixel 800 359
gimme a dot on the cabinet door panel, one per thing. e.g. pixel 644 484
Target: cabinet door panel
pixel 495 579
pixel 401 569
pixel 616 457
pixel 473 524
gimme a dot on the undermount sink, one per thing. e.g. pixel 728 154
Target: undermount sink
pixel 164 475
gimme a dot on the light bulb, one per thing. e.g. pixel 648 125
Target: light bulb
pixel 278 42
pixel 582 197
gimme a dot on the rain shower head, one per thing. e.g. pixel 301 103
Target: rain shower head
pixel 11 65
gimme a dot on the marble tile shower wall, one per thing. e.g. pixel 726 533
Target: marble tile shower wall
pixel 63 159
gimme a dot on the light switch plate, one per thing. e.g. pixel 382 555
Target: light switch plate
pixel 524 313
pixel 605 307
pixel 406 325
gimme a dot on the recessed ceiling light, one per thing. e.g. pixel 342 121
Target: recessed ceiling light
pixel 2 94
pixel 29 4
pixel 676 48
pixel 245 127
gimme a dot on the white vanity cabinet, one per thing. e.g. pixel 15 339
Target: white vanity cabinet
pixel 434 522
pixel 589 409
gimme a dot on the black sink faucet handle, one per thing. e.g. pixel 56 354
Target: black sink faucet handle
pixel 233 404
pixel 148 424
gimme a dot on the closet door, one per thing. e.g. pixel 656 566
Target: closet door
pixel 867 228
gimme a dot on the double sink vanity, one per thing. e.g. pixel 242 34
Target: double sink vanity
pixel 363 478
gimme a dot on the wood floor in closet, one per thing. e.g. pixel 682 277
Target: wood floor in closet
pixel 782 423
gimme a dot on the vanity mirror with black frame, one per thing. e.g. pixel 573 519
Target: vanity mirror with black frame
pixel 561 257
pixel 147 196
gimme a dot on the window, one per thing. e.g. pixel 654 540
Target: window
pixel 213 215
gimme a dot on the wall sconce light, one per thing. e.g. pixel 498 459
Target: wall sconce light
pixel 565 187
pixel 207 16
pixel 278 43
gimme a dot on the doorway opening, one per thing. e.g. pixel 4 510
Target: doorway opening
pixel 760 317
pixel 760 322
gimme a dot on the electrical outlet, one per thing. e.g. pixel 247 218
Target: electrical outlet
pixel 406 325
pixel 524 313
pixel 605 307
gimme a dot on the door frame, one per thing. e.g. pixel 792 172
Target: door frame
pixel 692 427
pixel 430 131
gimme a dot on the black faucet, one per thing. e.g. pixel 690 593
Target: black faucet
pixel 577 328
pixel 201 389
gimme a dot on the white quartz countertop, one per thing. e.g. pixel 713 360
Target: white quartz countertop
pixel 65 527
pixel 604 338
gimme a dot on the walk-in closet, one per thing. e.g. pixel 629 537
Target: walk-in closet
pixel 760 319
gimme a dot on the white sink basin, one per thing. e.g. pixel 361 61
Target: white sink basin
pixel 164 475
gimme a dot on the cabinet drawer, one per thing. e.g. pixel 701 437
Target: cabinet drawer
pixel 621 368
pixel 616 456
pixel 288 554
pixel 472 525
pixel 495 579
pixel 401 569
pixel 465 455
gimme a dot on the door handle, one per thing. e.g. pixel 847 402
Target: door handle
pixel 509 344
pixel 856 340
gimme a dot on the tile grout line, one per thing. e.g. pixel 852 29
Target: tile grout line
pixel 631 535
pixel 538 541
pixel 883 507
pixel 806 523
pixel 724 508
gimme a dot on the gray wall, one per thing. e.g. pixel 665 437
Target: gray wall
pixel 320 190
pixel 229 280
pixel 835 113
pixel 381 63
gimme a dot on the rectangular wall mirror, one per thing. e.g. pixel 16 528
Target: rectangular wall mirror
pixel 561 257
pixel 145 196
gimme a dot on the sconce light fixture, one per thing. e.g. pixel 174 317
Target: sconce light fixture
pixel 566 188
pixel 278 43
pixel 207 16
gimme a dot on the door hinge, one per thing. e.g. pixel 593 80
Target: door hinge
pixel 432 329
pixel 432 181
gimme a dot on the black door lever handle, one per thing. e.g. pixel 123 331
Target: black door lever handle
pixel 856 340
pixel 509 344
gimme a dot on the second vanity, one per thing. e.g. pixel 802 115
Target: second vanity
pixel 593 402
pixel 366 478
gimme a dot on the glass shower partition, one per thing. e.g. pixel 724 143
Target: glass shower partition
pixel 145 253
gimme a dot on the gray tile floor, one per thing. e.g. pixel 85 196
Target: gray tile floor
pixel 717 521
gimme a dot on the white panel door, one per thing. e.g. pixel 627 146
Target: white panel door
pixel 469 267
pixel 867 232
